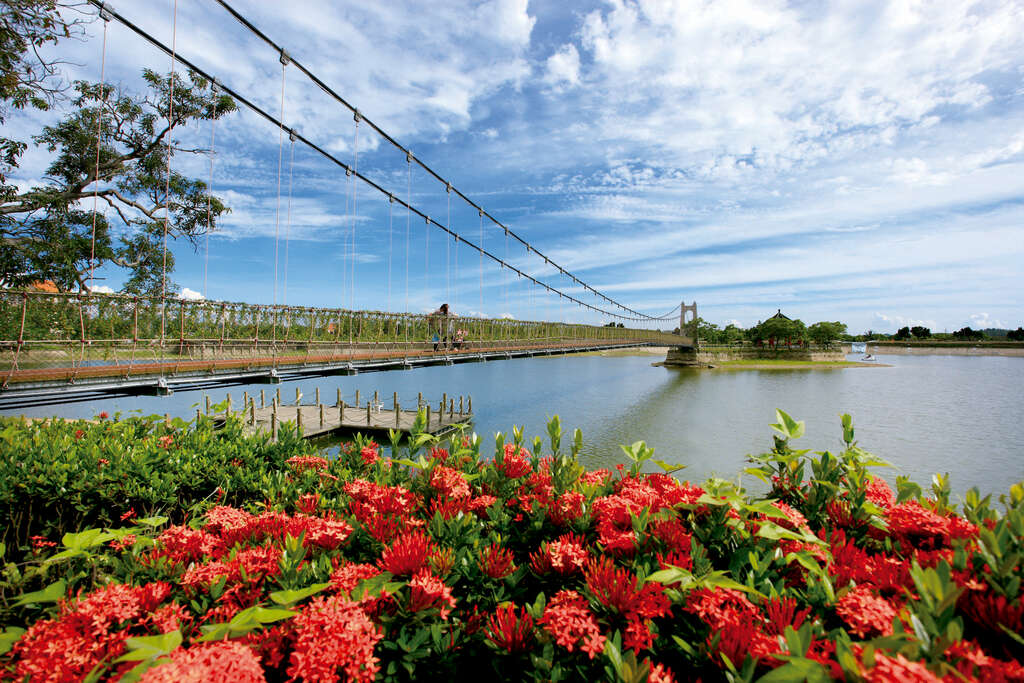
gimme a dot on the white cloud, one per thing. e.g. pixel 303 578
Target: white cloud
pixel 891 323
pixel 983 320
pixel 101 289
pixel 564 66
pixel 190 295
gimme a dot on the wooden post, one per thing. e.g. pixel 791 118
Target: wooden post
pixel 395 398
pixel 207 404
pixel 298 396
pixel 368 407
pixel 273 419
pixel 252 413
pixel 167 420
pixel 470 405
pixel 339 396
pixel 356 404
pixel 298 419
pixel 451 408
pixel 245 400
pixel 376 398
pixel 397 413
pixel 341 413
pixel 263 400
pixel 444 402
pixel 428 417
pixel 199 417
pixel 419 400
pixel 460 406
pixel 317 394
pixel 279 396
pixel 227 411
pixel 321 414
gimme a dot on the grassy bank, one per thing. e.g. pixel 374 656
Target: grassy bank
pixel 772 364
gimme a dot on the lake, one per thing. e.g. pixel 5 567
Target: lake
pixel 925 414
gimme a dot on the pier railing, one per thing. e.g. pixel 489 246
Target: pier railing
pixel 63 337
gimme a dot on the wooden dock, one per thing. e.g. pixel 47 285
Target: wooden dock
pixel 318 419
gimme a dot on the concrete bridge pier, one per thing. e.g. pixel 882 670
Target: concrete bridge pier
pixel 685 354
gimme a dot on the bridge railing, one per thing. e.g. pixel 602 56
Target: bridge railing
pixel 63 336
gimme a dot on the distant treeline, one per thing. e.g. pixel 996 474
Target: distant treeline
pixel 781 330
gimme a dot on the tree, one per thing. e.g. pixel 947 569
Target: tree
pixel 1015 335
pixel 824 333
pixel 920 332
pixel 46 234
pixel 27 78
pixel 902 333
pixel 967 334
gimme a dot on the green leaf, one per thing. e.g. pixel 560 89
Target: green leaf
pixel 8 637
pixel 152 521
pixel 52 593
pixel 796 671
pixel 150 647
pixel 89 538
pixel 290 597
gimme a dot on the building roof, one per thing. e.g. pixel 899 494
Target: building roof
pixel 779 314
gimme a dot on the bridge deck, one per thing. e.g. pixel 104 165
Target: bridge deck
pixel 40 382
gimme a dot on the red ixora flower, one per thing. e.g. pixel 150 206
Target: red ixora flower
pixel 509 631
pixel 569 620
pixel 407 554
pixel 79 434
pixel 369 453
pixel 516 462
pixel 218 662
pixel 426 591
pixel 866 614
pixel 565 555
pixel 104 415
pixel 307 462
pixel 330 634
pixel 165 441
pixel 449 482
pixel 496 562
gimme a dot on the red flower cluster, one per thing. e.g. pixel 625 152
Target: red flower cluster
pixel 496 562
pixel 516 462
pixel 569 620
pixel 407 555
pixel 510 631
pixel 334 634
pixel 565 555
pixel 218 662
pixel 449 482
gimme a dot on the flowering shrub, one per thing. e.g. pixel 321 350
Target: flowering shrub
pixel 444 564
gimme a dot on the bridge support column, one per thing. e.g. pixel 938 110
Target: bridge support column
pixel 683 357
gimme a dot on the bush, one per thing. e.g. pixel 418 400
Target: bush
pixel 442 564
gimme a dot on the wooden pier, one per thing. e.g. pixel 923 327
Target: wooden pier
pixel 318 419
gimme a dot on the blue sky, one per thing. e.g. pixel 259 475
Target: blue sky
pixel 859 161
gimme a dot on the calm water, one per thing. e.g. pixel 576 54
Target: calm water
pixel 925 414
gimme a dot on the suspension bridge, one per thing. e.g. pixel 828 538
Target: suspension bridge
pixel 68 345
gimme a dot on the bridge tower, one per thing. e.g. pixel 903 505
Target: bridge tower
pixel 683 310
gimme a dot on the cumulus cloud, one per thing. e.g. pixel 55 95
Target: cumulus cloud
pixel 190 295
pixel 101 289
pixel 564 66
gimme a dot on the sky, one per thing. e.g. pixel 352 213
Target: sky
pixel 854 161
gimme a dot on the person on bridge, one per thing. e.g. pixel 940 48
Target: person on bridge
pixel 441 326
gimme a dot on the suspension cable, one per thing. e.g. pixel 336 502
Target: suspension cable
pixel 408 218
pixel 355 175
pixel 99 132
pixel 167 184
pixel 277 122
pixel 288 220
pixel 391 245
pixel 338 98
pixel 209 193
pixel 284 59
